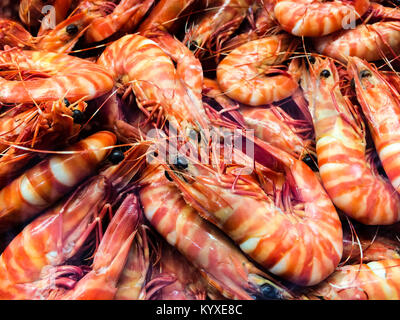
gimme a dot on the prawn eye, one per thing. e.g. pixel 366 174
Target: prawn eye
pixel 270 292
pixel 72 29
pixel 168 176
pixel 78 117
pixel 66 102
pixel 311 59
pixel 365 74
pixel 181 163
pixel 116 156
pixel 325 73
pixel 311 162
pixel 193 45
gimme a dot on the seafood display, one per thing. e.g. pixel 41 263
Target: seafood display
pixel 199 150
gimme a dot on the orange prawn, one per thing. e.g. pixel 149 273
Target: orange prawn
pixel 42 185
pixel 369 41
pixel 315 18
pixel 352 184
pixel 244 74
pixel 110 258
pixel 49 241
pixel 223 266
pixel 287 224
pixel 380 103
pixel 133 279
pixel 58 76
pixel 156 82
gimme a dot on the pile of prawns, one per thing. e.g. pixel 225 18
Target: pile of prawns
pixel 92 92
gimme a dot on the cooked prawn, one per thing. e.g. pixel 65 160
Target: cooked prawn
pixel 59 76
pixel 315 18
pixel 367 41
pixel 49 241
pixel 289 225
pixel 380 103
pixel 42 185
pixel 155 81
pixel 352 184
pixel 131 284
pixel 224 267
pixel 110 258
pixel 243 74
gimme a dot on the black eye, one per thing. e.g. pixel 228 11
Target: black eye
pixel 311 59
pixel 168 176
pixel 365 74
pixel 193 45
pixel 270 292
pixel 311 162
pixel 66 102
pixel 78 116
pixel 116 156
pixel 181 163
pixel 72 29
pixel 325 73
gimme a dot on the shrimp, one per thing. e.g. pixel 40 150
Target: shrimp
pixel 48 125
pixel 243 74
pixel 155 81
pixel 221 19
pixel 164 15
pixel 370 42
pixel 224 267
pixel 110 258
pixel 127 11
pixel 287 224
pixel 376 280
pixel 42 185
pixel 58 76
pixel 352 184
pixel 188 283
pixel 380 103
pixel 316 18
pixel 131 284
pixel 49 241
